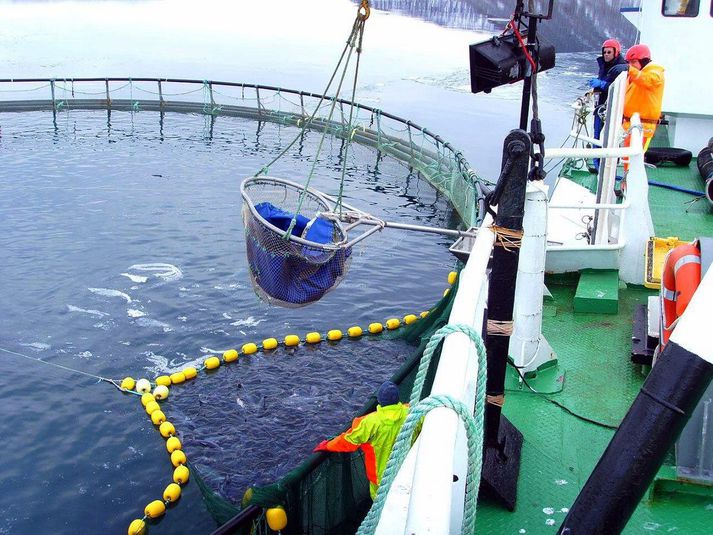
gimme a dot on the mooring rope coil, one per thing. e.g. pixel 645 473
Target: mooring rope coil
pixel 473 424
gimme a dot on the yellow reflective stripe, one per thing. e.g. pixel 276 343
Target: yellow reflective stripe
pixel 688 259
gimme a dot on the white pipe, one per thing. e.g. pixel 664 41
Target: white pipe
pixel 611 152
pixel 587 247
pixel 594 206
pixel 639 226
pixel 528 347
pixel 581 137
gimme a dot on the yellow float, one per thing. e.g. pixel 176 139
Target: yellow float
pixel 230 355
pixel 211 363
pixel 375 328
pixel 334 335
pixel 181 474
pixel 313 338
pixel 137 527
pixel 249 349
pixel 155 509
pixel 166 429
pixel 128 383
pixel 173 444
pixel 355 332
pixel 269 343
pixel 276 518
pixel 158 417
pixel 163 380
pixel 172 492
pixel 178 458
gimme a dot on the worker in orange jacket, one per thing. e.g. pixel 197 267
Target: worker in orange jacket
pixel 374 433
pixel 644 93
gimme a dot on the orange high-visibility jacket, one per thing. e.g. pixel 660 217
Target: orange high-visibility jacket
pixel 643 96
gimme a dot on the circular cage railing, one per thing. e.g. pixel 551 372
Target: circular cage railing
pixel 417 147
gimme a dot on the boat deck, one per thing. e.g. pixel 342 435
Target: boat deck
pixel 598 381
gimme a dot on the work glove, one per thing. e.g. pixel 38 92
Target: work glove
pixel 596 83
pixel 322 446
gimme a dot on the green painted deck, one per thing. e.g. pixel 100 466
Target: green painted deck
pixel 600 382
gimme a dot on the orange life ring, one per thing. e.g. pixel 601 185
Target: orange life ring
pixel 681 276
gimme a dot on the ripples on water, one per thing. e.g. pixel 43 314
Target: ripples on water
pixel 124 254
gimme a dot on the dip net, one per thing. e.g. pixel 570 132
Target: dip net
pixel 294 259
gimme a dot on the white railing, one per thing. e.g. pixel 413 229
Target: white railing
pixel 424 497
pixel 618 232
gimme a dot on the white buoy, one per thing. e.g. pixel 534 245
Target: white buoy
pixel 143 386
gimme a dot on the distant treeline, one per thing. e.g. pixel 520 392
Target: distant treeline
pixel 577 25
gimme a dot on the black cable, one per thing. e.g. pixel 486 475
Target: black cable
pixel 561 406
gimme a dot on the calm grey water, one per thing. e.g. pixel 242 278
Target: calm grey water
pixel 123 249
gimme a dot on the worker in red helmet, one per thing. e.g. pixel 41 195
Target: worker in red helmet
pixel 644 93
pixel 611 64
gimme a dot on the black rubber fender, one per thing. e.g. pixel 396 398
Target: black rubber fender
pixel 705 168
pixel 659 155
pixel 705 163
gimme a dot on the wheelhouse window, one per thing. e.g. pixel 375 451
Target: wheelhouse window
pixel 681 8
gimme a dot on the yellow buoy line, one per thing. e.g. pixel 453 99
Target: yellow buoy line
pixel 158 391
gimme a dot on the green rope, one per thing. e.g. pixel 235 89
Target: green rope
pixel 473 425
pixel 308 122
pixel 357 28
pixel 349 123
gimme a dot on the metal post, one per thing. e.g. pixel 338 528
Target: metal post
pixel 526 88
pixel 511 208
pixel 108 98
pixel 54 105
pixel 160 94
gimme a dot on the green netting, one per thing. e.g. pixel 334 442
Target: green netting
pixel 416 147
pixel 329 493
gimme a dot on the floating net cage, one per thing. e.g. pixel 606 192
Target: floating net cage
pixel 414 146
pixel 291 266
pixel 325 493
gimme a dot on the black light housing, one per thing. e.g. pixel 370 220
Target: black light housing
pixel 500 60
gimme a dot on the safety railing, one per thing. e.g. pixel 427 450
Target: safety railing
pixel 435 158
pixel 424 497
pixel 617 233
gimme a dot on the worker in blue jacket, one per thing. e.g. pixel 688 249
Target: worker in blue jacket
pixel 611 64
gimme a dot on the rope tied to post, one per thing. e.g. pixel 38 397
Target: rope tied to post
pixel 500 328
pixel 473 423
pixel 507 238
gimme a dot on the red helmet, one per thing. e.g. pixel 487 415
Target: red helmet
pixel 638 52
pixel 612 43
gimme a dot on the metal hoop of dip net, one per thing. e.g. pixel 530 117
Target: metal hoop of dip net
pixel 298 267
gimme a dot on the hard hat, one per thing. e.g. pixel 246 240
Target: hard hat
pixel 612 43
pixel 638 52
